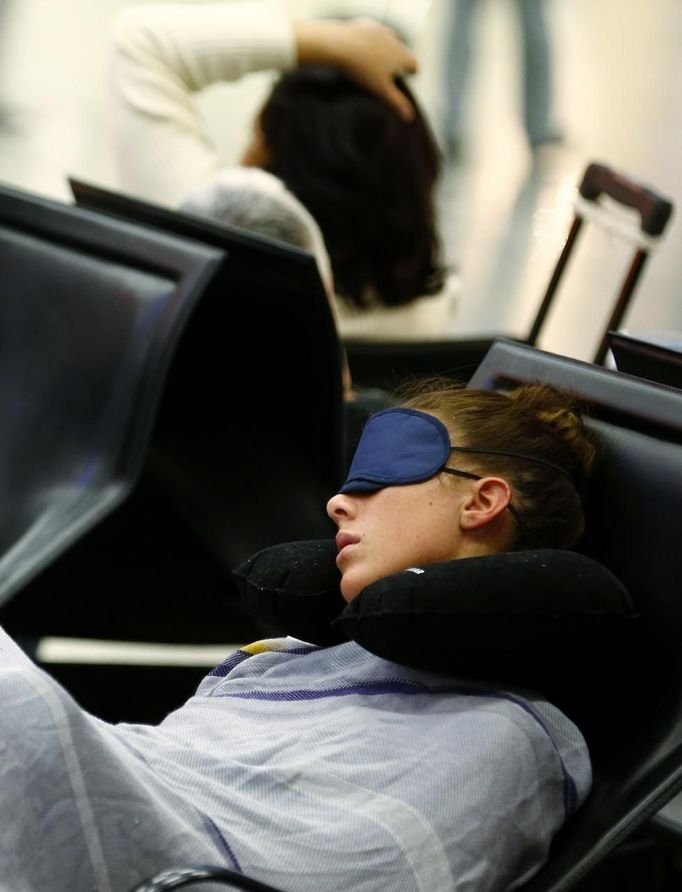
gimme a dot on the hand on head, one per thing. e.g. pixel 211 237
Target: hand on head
pixel 369 52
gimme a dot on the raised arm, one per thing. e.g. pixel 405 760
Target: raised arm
pixel 162 55
pixel 165 53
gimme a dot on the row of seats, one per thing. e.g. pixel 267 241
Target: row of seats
pixel 171 397
pixel 172 402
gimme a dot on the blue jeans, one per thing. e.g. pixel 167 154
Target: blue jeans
pixel 536 68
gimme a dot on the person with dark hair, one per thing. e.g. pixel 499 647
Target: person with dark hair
pixel 340 128
pixel 258 201
pixel 367 176
pixel 310 767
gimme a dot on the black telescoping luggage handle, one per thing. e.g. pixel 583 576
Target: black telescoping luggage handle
pixel 653 209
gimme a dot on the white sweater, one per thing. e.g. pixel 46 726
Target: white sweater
pixel 163 54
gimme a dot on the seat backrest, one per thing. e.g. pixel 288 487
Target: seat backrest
pixel 648 359
pixel 245 449
pixel 387 364
pixel 632 715
pixel 261 351
pixel 89 315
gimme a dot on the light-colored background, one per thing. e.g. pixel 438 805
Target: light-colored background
pixel 504 213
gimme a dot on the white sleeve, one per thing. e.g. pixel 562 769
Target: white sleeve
pixel 162 55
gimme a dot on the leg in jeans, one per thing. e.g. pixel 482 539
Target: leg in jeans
pixel 538 83
pixel 456 74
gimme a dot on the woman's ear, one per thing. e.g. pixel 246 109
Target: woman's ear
pixel 488 498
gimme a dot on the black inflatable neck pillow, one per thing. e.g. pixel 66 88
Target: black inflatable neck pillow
pixel 525 618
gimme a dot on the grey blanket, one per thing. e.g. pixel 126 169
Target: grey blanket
pixel 306 768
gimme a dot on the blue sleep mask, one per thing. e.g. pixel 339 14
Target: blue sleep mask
pixel 400 446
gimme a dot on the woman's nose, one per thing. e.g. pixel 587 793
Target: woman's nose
pixel 339 506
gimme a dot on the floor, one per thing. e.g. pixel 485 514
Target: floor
pixel 504 212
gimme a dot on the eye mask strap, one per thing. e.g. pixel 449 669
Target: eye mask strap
pixel 538 461
pixel 512 510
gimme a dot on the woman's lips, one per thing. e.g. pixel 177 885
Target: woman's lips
pixel 343 541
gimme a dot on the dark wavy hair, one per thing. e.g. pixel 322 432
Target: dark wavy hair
pixel 367 177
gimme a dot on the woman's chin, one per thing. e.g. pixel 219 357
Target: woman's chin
pixel 356 578
pixel 349 588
